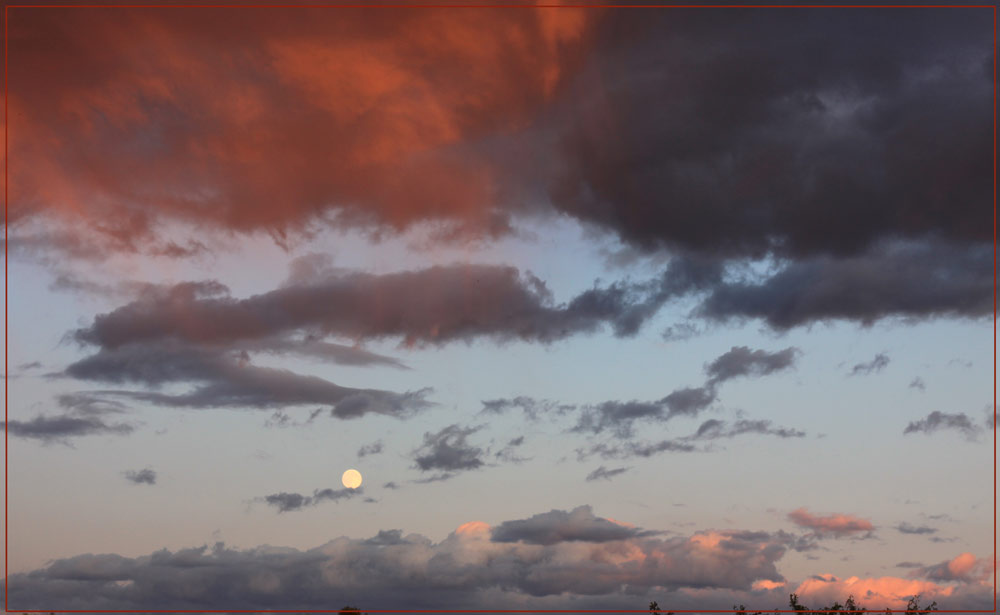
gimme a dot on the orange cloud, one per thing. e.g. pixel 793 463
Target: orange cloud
pixel 873 593
pixel 270 119
pixel 835 525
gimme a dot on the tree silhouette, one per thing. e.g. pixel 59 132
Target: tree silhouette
pixel 655 609
pixel 850 606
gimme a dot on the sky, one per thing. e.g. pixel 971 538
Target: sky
pixel 607 306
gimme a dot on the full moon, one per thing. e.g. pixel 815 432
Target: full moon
pixel 351 479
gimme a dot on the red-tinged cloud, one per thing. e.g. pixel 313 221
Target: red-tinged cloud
pixel 273 118
pixel 836 525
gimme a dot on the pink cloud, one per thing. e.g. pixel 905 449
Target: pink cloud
pixel 836 525
pixel 871 592
pixel 964 567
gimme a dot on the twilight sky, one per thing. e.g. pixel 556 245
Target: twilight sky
pixel 606 305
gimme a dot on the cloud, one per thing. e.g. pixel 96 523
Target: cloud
pixel 812 161
pixel 448 451
pixel 836 525
pixel 906 528
pixel 910 280
pixel 554 560
pixel 689 401
pixel 146 476
pixel 532 408
pixel 603 473
pixel 507 453
pixel 60 427
pixel 386 538
pixel 714 428
pixel 909 565
pixel 286 502
pixel 807 164
pixel 742 361
pixel 709 430
pixel 557 526
pixel 224 379
pixel 874 592
pixel 371 449
pixel 588 561
pixel 435 305
pixel 965 567
pixel 918 383
pixel 942 421
pixel 390 485
pixel 198 137
pixel 874 366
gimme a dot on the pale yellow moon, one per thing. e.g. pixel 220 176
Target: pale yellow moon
pixel 351 479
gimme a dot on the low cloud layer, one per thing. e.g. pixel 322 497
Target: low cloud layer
pixel 551 560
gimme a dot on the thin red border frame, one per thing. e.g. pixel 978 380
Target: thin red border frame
pixel 6 19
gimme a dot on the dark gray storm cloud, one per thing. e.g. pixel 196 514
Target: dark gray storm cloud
pixel 62 427
pixel 603 473
pixel 286 502
pixel 448 451
pixel 697 136
pixel 907 280
pixel 556 526
pixel 144 476
pixel 906 528
pixel 941 421
pixel 876 365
